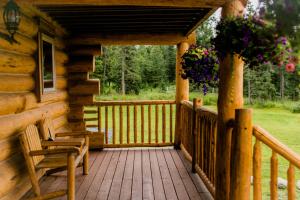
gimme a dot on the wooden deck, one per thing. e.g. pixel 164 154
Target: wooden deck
pixel 156 173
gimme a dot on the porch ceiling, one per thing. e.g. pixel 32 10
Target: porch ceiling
pixel 124 20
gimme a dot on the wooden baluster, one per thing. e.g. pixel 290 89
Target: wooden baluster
pixel 274 175
pixel 121 123
pixel 171 123
pixel 128 124
pixel 164 123
pixel 142 124
pixel 99 119
pixel 106 124
pixel 202 142
pixel 135 123
pixel 156 124
pixel 257 192
pixel 196 103
pixel 291 183
pixel 149 123
pixel 113 109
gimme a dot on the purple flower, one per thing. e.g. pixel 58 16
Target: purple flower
pixel 260 57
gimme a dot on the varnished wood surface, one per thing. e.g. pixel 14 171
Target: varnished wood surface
pixel 139 173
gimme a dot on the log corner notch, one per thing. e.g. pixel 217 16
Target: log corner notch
pixel 182 86
pixel 81 89
pixel 230 98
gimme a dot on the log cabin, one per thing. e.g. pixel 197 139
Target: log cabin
pixel 45 70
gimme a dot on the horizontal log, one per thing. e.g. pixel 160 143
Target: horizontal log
pixel 59 95
pixel 95 50
pixel 76 76
pixel 77 126
pixel 17 103
pixel 81 100
pixel 9 147
pixel 59 43
pixel 22 187
pixel 278 147
pixel 82 64
pixel 25 45
pixel 10 171
pixel 132 102
pixel 128 39
pixel 61 70
pixel 16 83
pixel 12 124
pixel 15 63
pixel 60 57
pixel 61 82
pixel 27 25
pixel 60 122
pixel 85 87
pixel 76 113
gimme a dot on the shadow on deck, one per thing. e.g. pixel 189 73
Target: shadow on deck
pixel 154 173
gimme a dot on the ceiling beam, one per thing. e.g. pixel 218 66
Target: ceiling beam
pixel 163 3
pixel 129 39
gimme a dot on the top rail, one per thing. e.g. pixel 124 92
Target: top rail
pixel 269 140
pixel 131 102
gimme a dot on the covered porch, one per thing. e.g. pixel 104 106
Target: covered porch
pixel 180 149
pixel 135 173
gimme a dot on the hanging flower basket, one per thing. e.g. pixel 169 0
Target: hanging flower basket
pixel 255 40
pixel 201 65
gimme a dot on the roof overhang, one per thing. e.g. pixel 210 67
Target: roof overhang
pixel 128 22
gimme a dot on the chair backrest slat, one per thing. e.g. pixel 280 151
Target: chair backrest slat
pixel 47 128
pixel 31 137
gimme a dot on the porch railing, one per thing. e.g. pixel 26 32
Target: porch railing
pixel 277 148
pixel 133 123
pixel 198 128
pixel 204 139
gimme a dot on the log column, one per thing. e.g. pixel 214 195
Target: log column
pixel 230 98
pixel 182 89
pixel 81 88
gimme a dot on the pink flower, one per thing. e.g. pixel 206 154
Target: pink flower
pixel 206 52
pixel 290 67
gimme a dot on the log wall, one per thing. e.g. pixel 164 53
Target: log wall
pixel 19 106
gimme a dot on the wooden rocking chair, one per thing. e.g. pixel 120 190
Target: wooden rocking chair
pixel 66 139
pixel 38 158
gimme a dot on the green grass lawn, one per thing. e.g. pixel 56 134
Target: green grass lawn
pixel 279 121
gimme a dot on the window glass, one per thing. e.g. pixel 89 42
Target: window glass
pixel 47 64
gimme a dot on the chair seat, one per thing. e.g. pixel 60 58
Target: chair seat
pixel 60 160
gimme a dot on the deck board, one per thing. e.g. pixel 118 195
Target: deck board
pixel 139 173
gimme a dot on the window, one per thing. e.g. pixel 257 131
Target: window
pixel 46 69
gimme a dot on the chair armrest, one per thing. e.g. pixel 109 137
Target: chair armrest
pixel 55 151
pixel 64 142
pixel 74 133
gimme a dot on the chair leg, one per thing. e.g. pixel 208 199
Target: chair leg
pixel 71 177
pixel 86 163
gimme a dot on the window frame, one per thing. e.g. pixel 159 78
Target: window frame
pixel 41 91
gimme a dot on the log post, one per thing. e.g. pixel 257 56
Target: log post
pixel 182 86
pixel 196 104
pixel 230 98
pixel 241 159
pixel 182 89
